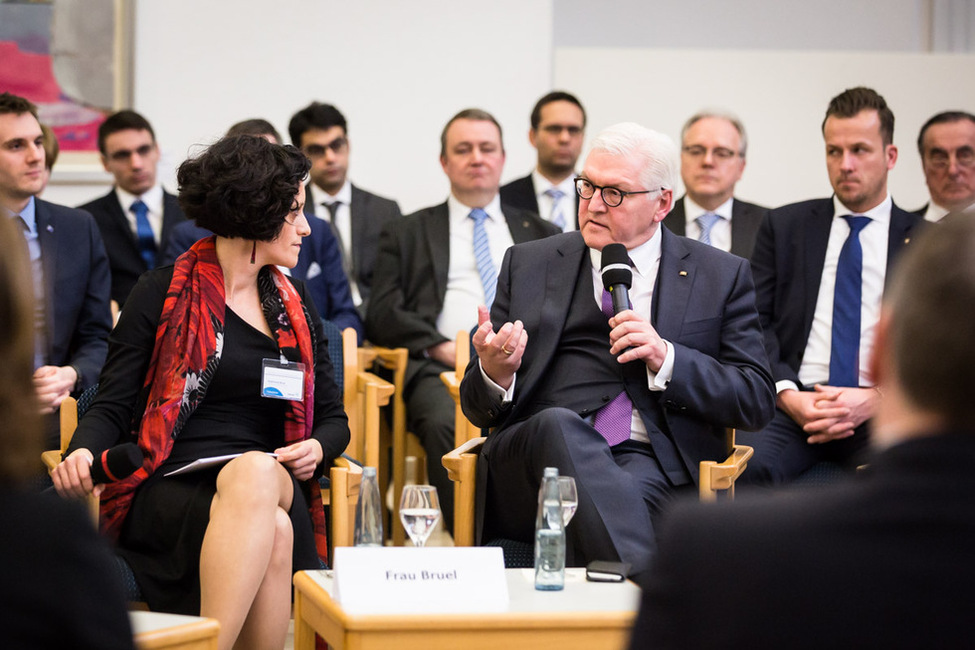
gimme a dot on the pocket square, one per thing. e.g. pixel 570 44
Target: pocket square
pixel 313 270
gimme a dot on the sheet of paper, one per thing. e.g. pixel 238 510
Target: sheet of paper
pixel 203 463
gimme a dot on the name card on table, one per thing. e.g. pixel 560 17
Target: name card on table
pixel 404 580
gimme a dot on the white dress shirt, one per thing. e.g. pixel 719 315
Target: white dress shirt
pixel 873 240
pixel 464 288
pixel 567 203
pixel 720 232
pixel 153 198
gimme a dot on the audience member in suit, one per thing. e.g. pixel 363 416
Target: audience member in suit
pixel 320 130
pixel 320 260
pixel 138 215
pixel 819 311
pixel 685 362
pixel 430 277
pixel 71 271
pixel 882 561
pixel 947 147
pixel 712 159
pixel 59 588
pixel 558 127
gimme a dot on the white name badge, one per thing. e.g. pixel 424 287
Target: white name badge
pixel 283 380
pixel 405 580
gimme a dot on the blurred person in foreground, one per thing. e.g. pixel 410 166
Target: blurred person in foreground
pixel 58 589
pixel 191 374
pixel 880 561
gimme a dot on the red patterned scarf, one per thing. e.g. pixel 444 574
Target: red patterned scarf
pixel 189 341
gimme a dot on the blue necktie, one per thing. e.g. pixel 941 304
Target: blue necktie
pixel 706 222
pixel 556 217
pixel 844 357
pixel 482 255
pixel 147 242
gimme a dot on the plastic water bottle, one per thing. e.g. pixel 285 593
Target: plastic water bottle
pixel 368 512
pixel 549 535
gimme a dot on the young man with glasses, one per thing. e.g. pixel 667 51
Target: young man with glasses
pixel 137 217
pixel 627 404
pixel 356 217
pixel 558 127
pixel 712 160
pixel 947 147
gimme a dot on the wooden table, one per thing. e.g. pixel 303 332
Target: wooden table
pixel 584 615
pixel 158 631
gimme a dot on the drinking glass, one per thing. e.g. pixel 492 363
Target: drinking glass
pixel 570 500
pixel 419 510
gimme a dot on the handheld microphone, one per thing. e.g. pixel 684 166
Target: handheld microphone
pixel 116 463
pixel 617 275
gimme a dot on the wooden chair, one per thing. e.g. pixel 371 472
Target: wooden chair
pixel 463 429
pixel 715 476
pixel 404 444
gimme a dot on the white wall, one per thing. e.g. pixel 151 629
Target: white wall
pixel 399 70
pixel 781 97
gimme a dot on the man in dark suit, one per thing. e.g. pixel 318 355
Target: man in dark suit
pixel 883 561
pixel 947 147
pixel 435 267
pixel 355 216
pixel 70 268
pixel 558 127
pixel 685 362
pixel 138 215
pixel 712 160
pixel 820 268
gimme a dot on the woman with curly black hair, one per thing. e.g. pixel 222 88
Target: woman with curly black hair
pixel 220 354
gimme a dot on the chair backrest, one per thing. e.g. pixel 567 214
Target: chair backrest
pixel 463 429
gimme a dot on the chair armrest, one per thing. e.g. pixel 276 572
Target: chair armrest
pixel 716 476
pixel 461 466
pixel 345 480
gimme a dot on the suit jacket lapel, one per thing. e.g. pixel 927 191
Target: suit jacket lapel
pixel 521 230
pixel 170 210
pixel 48 239
pixel 738 225
pixel 436 237
pixel 899 235
pixel 675 277
pixel 814 235
pixel 358 214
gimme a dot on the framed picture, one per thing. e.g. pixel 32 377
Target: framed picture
pixel 73 59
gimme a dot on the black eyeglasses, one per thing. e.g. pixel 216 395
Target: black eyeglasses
pixel 318 150
pixel 612 196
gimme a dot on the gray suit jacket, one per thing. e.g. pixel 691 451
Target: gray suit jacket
pixel 745 220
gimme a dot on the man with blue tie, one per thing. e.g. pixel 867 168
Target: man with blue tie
pixel 137 216
pixel 433 270
pixel 558 128
pixel 820 270
pixel 70 269
pixel 712 160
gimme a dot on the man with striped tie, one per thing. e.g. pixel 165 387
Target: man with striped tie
pixel 137 216
pixel 433 270
pixel 558 127
pixel 712 160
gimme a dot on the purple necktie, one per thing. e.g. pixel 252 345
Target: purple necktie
pixel 613 420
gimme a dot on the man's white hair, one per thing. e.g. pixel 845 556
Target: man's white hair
pixel 656 151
